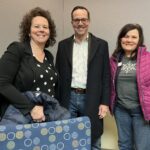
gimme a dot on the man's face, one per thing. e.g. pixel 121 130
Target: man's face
pixel 80 22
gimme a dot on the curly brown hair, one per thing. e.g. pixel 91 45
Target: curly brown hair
pixel 25 25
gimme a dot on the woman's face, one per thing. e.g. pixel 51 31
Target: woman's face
pixel 130 41
pixel 39 32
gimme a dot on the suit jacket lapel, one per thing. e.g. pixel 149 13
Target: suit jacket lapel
pixel 28 52
pixel 92 47
pixel 69 49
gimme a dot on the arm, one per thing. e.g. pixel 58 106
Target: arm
pixel 106 76
pixel 57 65
pixel 9 65
pixel 103 107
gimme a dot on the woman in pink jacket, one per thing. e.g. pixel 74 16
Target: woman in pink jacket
pixel 130 92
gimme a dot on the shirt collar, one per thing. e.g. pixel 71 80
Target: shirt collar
pixel 86 39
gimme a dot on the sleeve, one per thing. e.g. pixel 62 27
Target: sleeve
pixel 57 65
pixel 58 58
pixel 9 65
pixel 106 76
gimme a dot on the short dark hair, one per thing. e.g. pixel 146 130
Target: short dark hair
pixel 123 32
pixel 25 25
pixel 80 7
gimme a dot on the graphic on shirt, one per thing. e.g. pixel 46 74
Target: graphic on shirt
pixel 128 67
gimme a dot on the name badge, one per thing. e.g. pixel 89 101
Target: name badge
pixel 119 64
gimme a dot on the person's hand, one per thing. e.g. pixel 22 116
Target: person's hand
pixel 37 113
pixel 103 109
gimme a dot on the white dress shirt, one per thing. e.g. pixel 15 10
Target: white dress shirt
pixel 80 57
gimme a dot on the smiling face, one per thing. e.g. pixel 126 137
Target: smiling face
pixel 80 22
pixel 130 41
pixel 39 32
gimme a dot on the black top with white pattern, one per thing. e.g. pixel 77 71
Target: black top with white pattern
pixel 45 77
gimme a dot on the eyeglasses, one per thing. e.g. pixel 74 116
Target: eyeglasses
pixel 83 20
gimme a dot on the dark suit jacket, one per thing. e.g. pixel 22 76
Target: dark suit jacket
pixel 98 78
pixel 16 76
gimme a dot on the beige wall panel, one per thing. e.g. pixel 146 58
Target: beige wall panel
pixel 12 11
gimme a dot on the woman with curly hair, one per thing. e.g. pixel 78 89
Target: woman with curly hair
pixel 28 66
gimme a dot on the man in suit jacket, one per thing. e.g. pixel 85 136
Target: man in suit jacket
pixel 83 64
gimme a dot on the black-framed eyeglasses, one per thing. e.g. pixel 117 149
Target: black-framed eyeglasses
pixel 83 20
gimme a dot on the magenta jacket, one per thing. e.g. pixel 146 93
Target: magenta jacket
pixel 143 81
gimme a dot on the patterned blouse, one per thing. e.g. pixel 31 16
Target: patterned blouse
pixel 45 77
